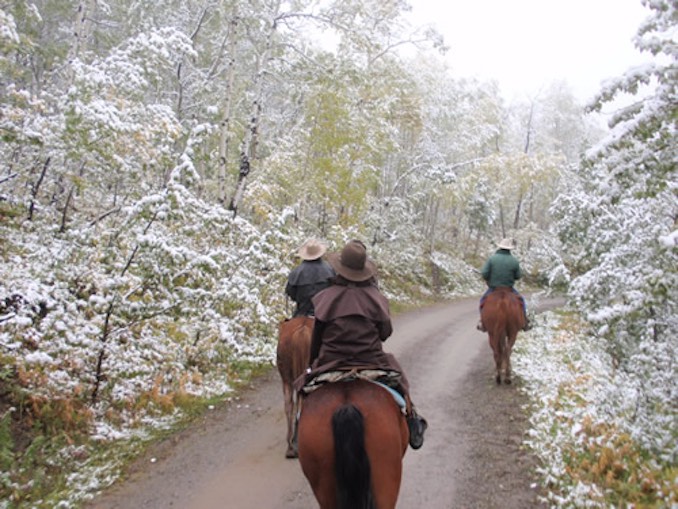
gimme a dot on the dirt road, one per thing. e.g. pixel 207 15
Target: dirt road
pixel 472 457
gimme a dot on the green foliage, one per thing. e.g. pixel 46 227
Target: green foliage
pixel 6 441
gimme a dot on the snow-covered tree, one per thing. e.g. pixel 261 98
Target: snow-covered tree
pixel 618 220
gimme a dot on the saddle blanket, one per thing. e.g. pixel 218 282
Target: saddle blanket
pixel 385 378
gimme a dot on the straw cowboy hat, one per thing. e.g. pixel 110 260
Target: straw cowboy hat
pixel 311 250
pixel 506 244
pixel 352 263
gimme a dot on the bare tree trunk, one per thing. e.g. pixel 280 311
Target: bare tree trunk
pixel 226 118
pixel 530 213
pixel 516 219
pixel 36 188
pixel 81 27
pixel 529 128
pixel 180 92
pixel 64 216
pixel 434 221
pixel 248 145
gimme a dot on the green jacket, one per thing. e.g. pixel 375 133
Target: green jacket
pixel 501 269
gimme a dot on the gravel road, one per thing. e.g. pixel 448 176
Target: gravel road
pixel 233 458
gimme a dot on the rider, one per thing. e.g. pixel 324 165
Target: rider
pixel 308 278
pixel 502 269
pixel 352 320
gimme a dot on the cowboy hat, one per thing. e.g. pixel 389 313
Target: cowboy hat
pixel 311 250
pixel 352 263
pixel 506 244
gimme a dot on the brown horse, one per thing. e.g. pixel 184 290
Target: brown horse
pixel 503 317
pixel 292 358
pixel 352 439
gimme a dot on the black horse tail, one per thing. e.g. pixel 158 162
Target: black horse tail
pixel 351 464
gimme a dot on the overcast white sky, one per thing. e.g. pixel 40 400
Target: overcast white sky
pixel 526 44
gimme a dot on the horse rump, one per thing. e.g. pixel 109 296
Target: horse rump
pixel 351 464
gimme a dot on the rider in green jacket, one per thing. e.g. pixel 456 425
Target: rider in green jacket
pixel 502 269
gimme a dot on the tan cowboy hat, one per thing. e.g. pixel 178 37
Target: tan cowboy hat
pixel 352 262
pixel 311 250
pixel 506 244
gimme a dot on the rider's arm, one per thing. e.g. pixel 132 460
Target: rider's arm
pixel 486 271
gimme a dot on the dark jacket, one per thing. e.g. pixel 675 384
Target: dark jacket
pixel 501 269
pixel 351 322
pixel 305 281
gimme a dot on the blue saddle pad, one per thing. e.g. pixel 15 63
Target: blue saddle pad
pixel 396 395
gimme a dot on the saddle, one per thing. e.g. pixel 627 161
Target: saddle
pixel 388 379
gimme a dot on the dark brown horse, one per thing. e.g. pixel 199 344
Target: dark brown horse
pixel 503 317
pixel 293 353
pixel 352 439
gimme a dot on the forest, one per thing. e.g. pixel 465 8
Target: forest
pixel 162 162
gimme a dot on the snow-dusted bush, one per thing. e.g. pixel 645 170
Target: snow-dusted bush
pixel 584 422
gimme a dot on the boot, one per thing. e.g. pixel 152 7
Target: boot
pixel 480 326
pixel 417 426
pixel 528 325
pixel 415 423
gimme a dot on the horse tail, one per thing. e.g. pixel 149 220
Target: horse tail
pixel 351 464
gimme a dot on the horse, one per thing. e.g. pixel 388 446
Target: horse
pixel 352 439
pixel 292 358
pixel 502 314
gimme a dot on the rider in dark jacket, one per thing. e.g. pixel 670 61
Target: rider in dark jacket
pixel 311 276
pixel 502 269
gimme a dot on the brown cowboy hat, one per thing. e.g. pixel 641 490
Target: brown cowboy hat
pixel 311 250
pixel 352 263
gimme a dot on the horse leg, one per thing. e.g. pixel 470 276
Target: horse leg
pixel 506 368
pixel 505 353
pixel 316 451
pixel 509 349
pixel 497 361
pixel 497 352
pixel 386 462
pixel 289 414
pixel 298 401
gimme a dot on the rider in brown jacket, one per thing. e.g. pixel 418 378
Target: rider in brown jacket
pixel 352 321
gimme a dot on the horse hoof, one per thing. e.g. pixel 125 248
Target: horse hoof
pixel 507 381
pixel 498 379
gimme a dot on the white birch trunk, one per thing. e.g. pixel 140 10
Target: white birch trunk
pixel 249 138
pixel 226 118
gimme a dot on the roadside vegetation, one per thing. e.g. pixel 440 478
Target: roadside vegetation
pixel 593 449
